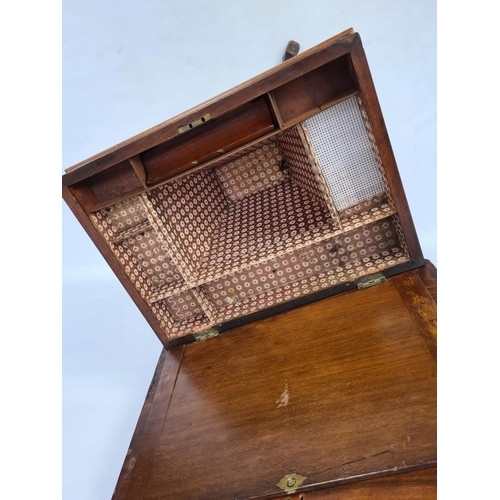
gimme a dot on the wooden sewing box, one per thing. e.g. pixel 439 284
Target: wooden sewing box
pixel 266 238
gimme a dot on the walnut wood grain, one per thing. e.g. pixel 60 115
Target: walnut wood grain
pixel 140 171
pixel 315 91
pixel 247 123
pixel 428 275
pixel 338 391
pixel 115 183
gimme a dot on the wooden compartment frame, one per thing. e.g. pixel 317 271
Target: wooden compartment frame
pixel 270 104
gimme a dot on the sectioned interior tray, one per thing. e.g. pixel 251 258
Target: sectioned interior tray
pixel 277 193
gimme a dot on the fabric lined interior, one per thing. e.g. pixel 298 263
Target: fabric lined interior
pixel 293 214
pixel 255 170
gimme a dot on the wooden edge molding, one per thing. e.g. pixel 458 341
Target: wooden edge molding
pixel 137 465
pixel 258 86
pixel 420 304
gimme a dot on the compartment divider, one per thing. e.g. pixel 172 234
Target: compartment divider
pixel 315 180
pixel 178 328
pixel 376 153
pixel 133 231
pixel 275 110
pixel 168 291
pixel 127 229
pixel 167 236
pixel 206 304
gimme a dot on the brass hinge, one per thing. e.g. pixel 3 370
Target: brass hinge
pixel 372 280
pixel 209 333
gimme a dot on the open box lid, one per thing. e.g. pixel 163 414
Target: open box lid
pixel 274 194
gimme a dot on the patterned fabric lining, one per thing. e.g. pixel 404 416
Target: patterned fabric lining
pixel 365 212
pixel 308 286
pixel 115 221
pixel 257 229
pixel 173 328
pixel 373 145
pixel 193 207
pixel 273 221
pixel 132 231
pixel 354 252
pixel 161 224
pixel 303 167
pixel 137 247
pixel 252 172
pixel 147 254
pixel 238 153
pixel 183 306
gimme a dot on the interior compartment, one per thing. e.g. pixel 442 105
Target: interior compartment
pixel 315 91
pixel 183 306
pixel 298 212
pixel 114 183
pixel 211 139
pixel 266 202
pixel 138 247
pixel 346 257
pixel 176 320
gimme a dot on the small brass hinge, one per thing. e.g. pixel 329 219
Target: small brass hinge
pixel 209 333
pixel 372 280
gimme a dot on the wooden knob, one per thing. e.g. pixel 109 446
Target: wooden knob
pixel 292 49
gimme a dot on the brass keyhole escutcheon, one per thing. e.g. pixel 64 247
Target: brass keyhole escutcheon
pixel 290 482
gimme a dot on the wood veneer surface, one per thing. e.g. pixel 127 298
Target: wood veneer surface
pixel 340 390
pixel 415 485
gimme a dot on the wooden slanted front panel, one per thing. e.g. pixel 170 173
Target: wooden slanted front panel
pixel 414 485
pixel 337 391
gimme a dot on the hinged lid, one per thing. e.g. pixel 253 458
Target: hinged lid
pixel 372 280
pixel 274 194
pixel 209 333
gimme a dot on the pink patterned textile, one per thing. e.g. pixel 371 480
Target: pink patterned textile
pixel 257 229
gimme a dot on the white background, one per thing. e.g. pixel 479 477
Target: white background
pixel 128 66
